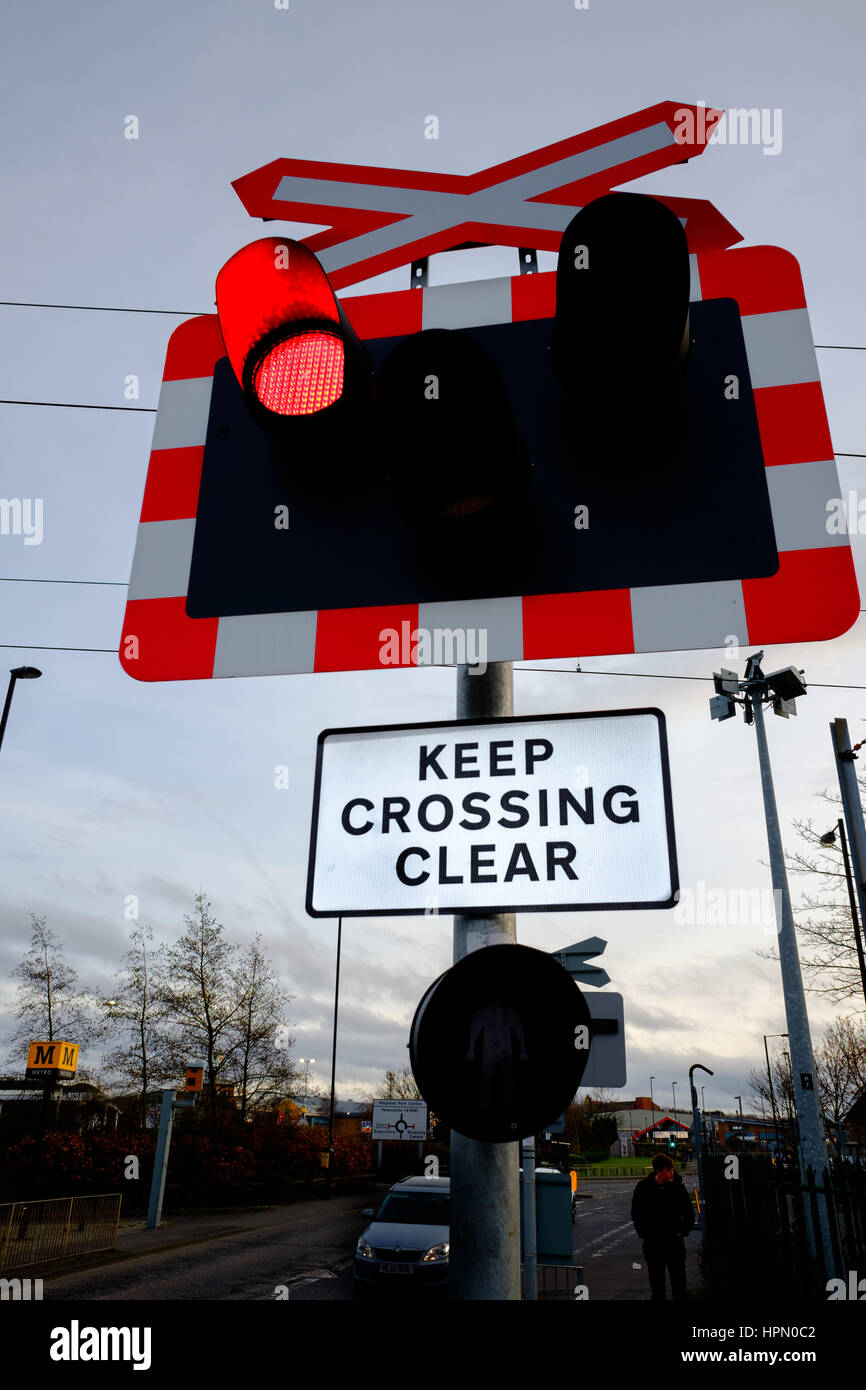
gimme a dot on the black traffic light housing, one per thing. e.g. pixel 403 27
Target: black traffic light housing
pixel 596 451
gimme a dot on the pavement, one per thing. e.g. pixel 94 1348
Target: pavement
pixel 135 1241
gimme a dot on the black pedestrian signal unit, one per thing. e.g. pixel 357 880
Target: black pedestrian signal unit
pixel 499 1043
pixel 596 451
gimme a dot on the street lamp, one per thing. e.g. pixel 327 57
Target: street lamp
pixel 653 1109
pixel 674 1089
pixel 697 1121
pixel 306 1063
pixel 20 673
pixel 830 839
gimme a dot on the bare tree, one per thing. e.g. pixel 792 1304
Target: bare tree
pixel 261 1065
pixel 823 916
pixel 781 1097
pixel 50 1005
pixel 841 1067
pixel 397 1085
pixel 137 1012
pixel 200 997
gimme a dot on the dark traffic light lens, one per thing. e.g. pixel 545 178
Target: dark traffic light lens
pixel 622 301
pixel 449 442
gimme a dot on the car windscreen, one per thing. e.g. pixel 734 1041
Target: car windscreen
pixel 415 1208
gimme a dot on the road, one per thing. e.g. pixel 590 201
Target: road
pixel 288 1247
pixel 304 1253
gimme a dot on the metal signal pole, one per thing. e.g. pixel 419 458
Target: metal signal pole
pixel 485 1202
pixel 782 689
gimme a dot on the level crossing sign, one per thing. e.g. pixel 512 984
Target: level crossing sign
pixel 243 567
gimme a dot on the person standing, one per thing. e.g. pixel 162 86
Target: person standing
pixel 662 1213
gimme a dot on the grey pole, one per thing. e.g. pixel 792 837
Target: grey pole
pixel 334 1063
pixel 160 1162
pixel 853 811
pixel 697 1122
pixel 813 1150
pixel 527 1213
pixel 485 1204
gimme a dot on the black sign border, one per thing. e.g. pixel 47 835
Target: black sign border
pixel 476 909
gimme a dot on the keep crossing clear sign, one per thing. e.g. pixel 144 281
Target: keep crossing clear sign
pixel 563 812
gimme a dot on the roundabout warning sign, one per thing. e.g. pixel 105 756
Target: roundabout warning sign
pixel 565 812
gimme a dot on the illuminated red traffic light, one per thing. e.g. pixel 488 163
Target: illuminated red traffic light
pixel 287 339
pixel 301 375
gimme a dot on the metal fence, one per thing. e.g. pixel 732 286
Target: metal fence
pixel 56 1228
pixel 756 1237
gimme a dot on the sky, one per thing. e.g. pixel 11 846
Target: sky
pixel 110 787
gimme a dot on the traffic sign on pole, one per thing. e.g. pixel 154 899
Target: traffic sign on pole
pixel 559 813
pixel 399 1119
pixel 499 1043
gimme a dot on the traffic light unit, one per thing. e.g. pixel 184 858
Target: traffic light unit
pixel 586 461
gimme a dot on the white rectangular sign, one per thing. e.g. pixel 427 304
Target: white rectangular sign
pixel 399 1119
pixel 561 812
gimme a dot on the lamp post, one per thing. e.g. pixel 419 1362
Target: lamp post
pixel 830 839
pixel 698 1123
pixel 334 1060
pixel 674 1091
pixel 652 1109
pixel 770 1081
pixel 782 689
pixel 20 673
pixel 306 1063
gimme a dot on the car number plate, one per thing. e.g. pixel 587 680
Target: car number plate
pixel 396 1269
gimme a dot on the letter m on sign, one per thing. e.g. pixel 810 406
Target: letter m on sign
pixel 69 1051
pixel 44 1055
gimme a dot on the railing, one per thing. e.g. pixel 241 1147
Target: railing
pixel 560 1283
pixel 56 1228
pixel 613 1170
pixel 758 1235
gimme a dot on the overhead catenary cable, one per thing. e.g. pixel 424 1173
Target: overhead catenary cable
pixel 80 405
pixel 101 308
pixel 540 670
pixel 194 313
pixel 108 583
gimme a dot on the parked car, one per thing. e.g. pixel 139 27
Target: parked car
pixel 407 1241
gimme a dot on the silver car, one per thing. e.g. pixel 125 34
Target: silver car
pixel 407 1242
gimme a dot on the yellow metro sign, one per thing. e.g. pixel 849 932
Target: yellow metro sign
pixel 52 1059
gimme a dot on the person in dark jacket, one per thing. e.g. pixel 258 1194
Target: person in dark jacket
pixel 661 1210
